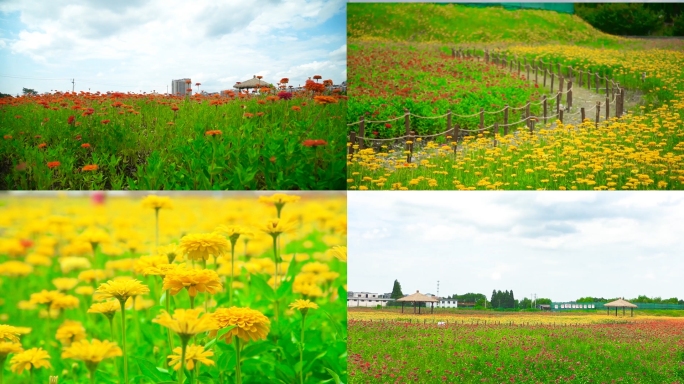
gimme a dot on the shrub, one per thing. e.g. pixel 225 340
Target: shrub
pixel 621 18
pixel 678 25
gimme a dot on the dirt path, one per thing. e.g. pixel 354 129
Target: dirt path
pixel 582 98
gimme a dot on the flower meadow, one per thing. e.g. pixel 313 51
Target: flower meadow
pixel 513 348
pixel 236 141
pixel 178 288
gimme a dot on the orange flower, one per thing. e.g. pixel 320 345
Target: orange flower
pixel 53 164
pixel 105 121
pixel 314 143
pixel 325 100
pixel 42 145
pixel 296 108
pixel 213 132
pixel 249 115
pixel 90 167
pixel 85 145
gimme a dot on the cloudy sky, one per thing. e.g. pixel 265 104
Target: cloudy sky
pixel 141 45
pixel 558 245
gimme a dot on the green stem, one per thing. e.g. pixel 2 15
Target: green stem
pixel 92 375
pixel 2 368
pixel 238 375
pixel 301 352
pixel 192 301
pixel 181 371
pixel 275 278
pixel 31 374
pixel 123 338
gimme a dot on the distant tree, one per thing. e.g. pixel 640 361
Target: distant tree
pixel 543 301
pixel 29 92
pixel 525 303
pixel 511 300
pixel 5 95
pixel 396 290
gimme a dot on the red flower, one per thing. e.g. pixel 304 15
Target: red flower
pixel 105 121
pixel 213 132
pixel 42 145
pixel 53 164
pixel 71 119
pixel 314 143
pixel 78 137
pixel 174 108
pixel 375 133
pixel 7 137
pixel 273 159
pixel 90 167
pixel 26 243
pixel 85 145
pixel 388 125
pixel 296 108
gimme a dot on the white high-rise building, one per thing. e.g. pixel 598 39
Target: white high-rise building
pixel 180 87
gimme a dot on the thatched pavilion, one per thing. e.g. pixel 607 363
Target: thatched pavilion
pixel 620 303
pixel 252 83
pixel 418 298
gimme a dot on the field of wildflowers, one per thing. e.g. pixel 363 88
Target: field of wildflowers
pixel 237 141
pixel 643 149
pixel 179 288
pixel 515 348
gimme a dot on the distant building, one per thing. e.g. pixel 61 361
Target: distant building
pixel 447 303
pixel 367 299
pixel 180 87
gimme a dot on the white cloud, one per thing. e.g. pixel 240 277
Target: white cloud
pixel 149 42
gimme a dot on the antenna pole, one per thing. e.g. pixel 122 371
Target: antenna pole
pixel 73 84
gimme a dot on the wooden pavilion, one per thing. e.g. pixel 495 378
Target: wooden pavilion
pixel 418 298
pixel 620 303
pixel 252 83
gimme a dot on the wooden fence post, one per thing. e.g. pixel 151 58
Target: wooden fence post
pixel 506 120
pixel 453 53
pixel 607 107
pixel 527 112
pixel 559 69
pixel 457 131
pixel 558 101
pixel 560 116
pixel 545 103
pixel 545 71
pixel 528 72
pixel 582 114
pixel 518 67
pixel 607 94
pixel 569 97
pixel 352 140
pixel 448 132
pixel 560 85
pixel 598 112
pixel 362 132
pixel 530 122
pixel 536 73
pixel 486 56
pixel 495 130
pixel 552 76
pixel 580 78
pixel 511 65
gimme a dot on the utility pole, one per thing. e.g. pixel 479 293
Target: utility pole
pixel 73 84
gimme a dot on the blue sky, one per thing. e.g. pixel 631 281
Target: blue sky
pixel 558 245
pixel 141 45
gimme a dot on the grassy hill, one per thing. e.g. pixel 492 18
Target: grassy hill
pixel 450 23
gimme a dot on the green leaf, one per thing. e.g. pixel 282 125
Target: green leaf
pixel 219 334
pixel 335 376
pixel 152 371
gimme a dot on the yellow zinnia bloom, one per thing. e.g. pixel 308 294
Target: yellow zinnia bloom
pixel 8 332
pixel 186 322
pixel 107 308
pixel 7 347
pixel 233 232
pixel 64 302
pixel 303 305
pixel 64 283
pixel 92 352
pixel 195 280
pixel 199 246
pixel 170 251
pixel 249 323
pixel 275 227
pixel 70 331
pixel 340 253
pixel 14 268
pixel 90 275
pixel 157 202
pixel 45 297
pixel 30 359
pixel 122 289
pixel 194 354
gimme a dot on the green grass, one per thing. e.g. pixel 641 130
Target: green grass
pixel 458 24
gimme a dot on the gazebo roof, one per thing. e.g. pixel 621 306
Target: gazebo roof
pixel 418 297
pixel 620 303
pixel 251 83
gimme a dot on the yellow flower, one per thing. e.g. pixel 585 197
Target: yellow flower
pixel 275 227
pixel 70 331
pixel 144 262
pixel 200 246
pixel 45 297
pixel 233 232
pixel 71 263
pixel 7 347
pixel 249 323
pixel 64 283
pixel 195 280
pixel 90 275
pixel 94 235
pixel 303 305
pixel 279 199
pixel 122 289
pixel 15 268
pixel 91 352
pixel 170 251
pixel 157 202
pixel 85 290
pixel 194 354
pixel 30 359
pixel 163 269
pixel 64 302
pixel 340 253
pixel 186 322
pixel 107 308
pixel 8 332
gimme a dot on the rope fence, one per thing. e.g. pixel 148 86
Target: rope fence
pixel 615 95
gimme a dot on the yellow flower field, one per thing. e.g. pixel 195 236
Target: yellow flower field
pixel 186 287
